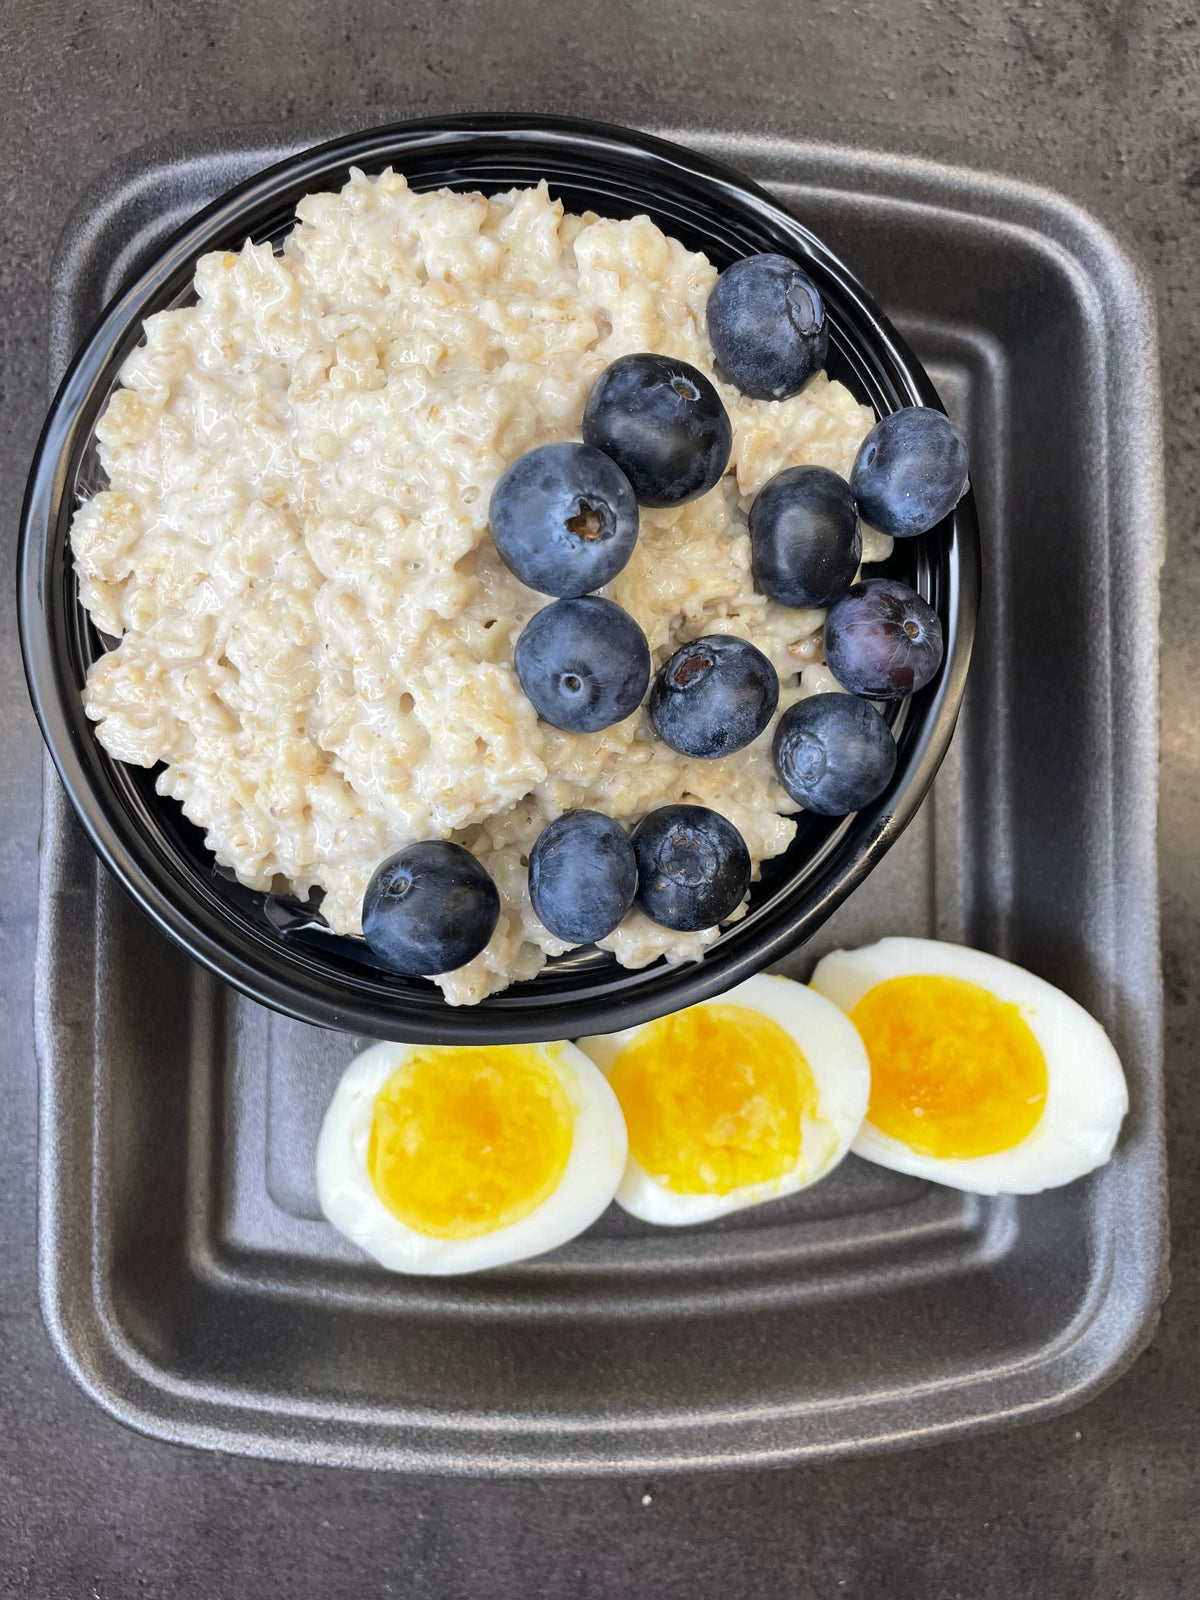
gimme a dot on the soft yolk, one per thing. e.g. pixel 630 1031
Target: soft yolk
pixel 955 1072
pixel 714 1099
pixel 467 1140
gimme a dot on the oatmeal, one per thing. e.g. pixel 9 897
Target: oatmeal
pixel 315 630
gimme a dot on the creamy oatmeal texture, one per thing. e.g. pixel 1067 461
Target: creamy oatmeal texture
pixel 316 633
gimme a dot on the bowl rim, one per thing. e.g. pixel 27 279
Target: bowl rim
pixel 275 974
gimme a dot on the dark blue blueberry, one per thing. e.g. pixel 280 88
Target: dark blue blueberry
pixel 834 753
pixel 713 696
pixel 429 908
pixel 583 663
pixel 693 867
pixel 582 876
pixel 767 327
pixel 805 541
pixel 882 640
pixel 564 518
pixel 663 423
pixel 910 472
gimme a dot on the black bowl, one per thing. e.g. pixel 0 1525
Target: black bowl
pixel 278 951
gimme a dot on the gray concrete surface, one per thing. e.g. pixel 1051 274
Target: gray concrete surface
pixel 1098 98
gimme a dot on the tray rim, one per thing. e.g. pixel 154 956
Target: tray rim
pixel 1088 1354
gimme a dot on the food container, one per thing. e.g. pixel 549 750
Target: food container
pixel 187 1278
pixel 276 950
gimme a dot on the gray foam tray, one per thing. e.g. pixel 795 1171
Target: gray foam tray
pixel 186 1275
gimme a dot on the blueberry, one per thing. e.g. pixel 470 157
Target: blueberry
pixel 429 908
pixel 584 663
pixel 564 518
pixel 882 640
pixel 663 423
pixel 713 696
pixel 693 867
pixel 582 876
pixel 834 753
pixel 910 472
pixel 805 542
pixel 767 326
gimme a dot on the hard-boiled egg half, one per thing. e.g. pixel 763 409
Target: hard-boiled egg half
pixel 734 1101
pixel 983 1077
pixel 441 1159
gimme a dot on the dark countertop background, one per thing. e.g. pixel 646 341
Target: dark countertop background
pixel 1097 98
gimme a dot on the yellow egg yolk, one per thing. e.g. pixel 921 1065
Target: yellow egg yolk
pixel 466 1140
pixel 955 1072
pixel 714 1099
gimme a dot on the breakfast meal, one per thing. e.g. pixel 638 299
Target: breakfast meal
pixel 928 1058
pixel 493 630
pixel 489 578
pixel 492 577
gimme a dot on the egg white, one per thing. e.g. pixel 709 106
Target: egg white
pixel 1086 1096
pixel 840 1070
pixel 349 1200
